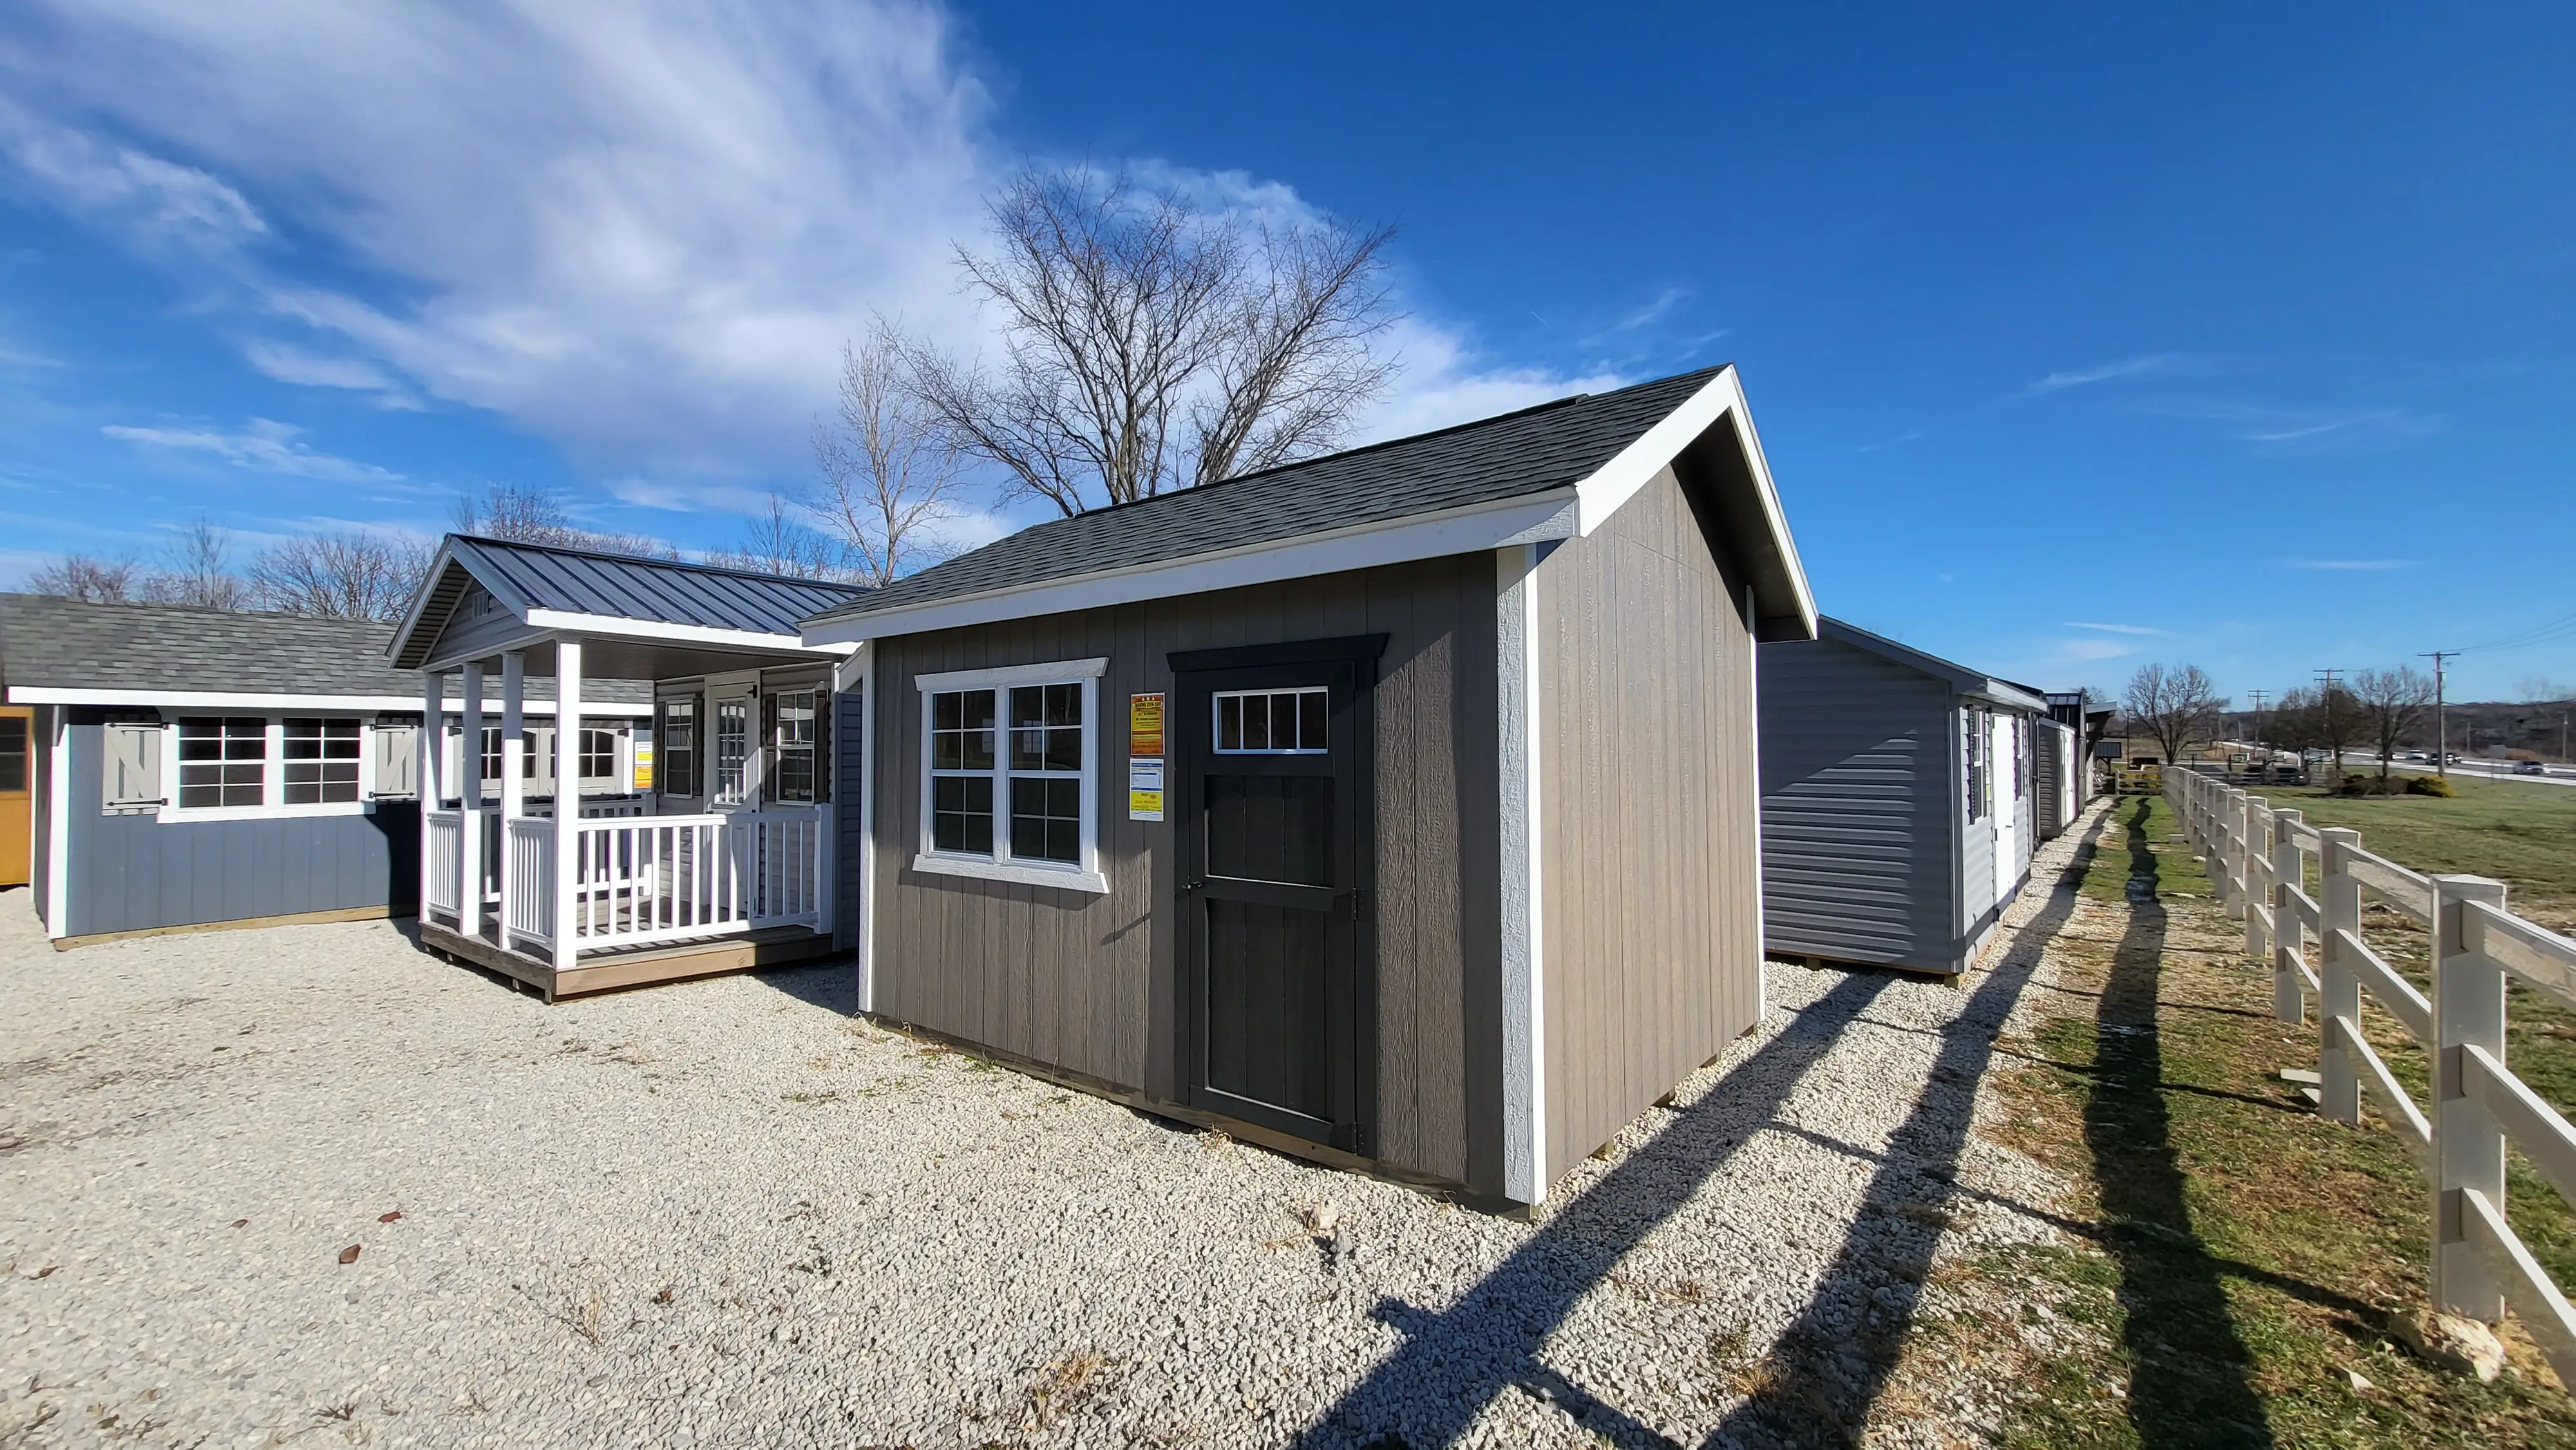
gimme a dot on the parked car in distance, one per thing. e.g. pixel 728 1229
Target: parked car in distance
pixel 2529 767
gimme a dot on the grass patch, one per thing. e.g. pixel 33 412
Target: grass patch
pixel 2242 1254
pixel 2522 833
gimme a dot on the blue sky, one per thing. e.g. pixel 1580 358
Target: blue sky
pixel 2079 336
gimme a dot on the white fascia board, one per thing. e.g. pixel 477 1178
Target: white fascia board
pixel 241 700
pixel 1528 520
pixel 608 626
pixel 1617 481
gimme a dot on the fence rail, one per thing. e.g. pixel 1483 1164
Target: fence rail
pixel 2260 860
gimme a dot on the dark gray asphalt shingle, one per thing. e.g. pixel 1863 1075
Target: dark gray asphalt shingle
pixel 1551 446
pixel 65 644
pixel 625 587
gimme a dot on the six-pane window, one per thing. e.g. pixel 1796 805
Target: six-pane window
pixel 1271 722
pixel 321 760
pixel 1046 773
pixel 961 771
pixel 222 760
pixel 679 764
pixel 791 773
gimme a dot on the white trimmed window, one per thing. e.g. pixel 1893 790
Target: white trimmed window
pixel 229 766
pixel 1010 788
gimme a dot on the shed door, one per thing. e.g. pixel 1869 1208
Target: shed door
pixel 1274 845
pixel 17 768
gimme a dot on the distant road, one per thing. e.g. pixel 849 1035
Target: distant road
pixel 2487 769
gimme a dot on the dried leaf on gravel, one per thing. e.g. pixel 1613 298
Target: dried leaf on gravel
pixel 389 1217
pixel 241 1223
pixel 349 1255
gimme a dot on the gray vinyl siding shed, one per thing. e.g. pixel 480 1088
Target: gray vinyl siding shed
pixel 1870 852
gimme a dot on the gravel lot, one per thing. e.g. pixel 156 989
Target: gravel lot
pixel 727 1213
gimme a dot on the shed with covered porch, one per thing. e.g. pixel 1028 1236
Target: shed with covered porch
pixel 722 860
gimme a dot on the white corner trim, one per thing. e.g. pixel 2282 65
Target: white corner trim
pixel 865 660
pixel 1471 530
pixel 252 700
pixel 1753 755
pixel 58 828
pixel 1065 878
pixel 1524 977
pixel 1617 481
pixel 654 629
pixel 1057 673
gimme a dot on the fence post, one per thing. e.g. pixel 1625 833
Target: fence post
pixel 2468 1145
pixel 2289 994
pixel 2231 850
pixel 2339 989
pixel 2258 874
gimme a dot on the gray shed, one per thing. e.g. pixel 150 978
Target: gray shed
pixel 1899 801
pixel 182 768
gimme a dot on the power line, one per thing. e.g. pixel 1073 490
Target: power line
pixel 2441 724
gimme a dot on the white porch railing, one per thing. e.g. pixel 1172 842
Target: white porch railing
pixel 646 880
pixel 443 844
pixel 2259 865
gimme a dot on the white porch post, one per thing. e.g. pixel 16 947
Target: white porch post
pixel 431 771
pixel 514 752
pixel 567 797
pixel 469 809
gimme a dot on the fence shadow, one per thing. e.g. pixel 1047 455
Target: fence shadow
pixel 2190 1373
pixel 1828 1368
pixel 1453 1363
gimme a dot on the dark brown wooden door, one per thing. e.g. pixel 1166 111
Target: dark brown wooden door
pixel 1275 847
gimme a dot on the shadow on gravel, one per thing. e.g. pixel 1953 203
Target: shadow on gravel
pixel 1828 1368
pixel 1455 1363
pixel 832 983
pixel 2188 1376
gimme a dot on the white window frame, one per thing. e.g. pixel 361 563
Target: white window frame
pixel 272 774
pixel 1082 874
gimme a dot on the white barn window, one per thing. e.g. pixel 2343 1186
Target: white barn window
pixel 1009 782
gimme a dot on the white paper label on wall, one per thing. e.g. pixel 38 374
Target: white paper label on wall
pixel 1144 790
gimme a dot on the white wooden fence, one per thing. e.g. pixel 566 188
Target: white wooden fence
pixel 2260 866
pixel 650 880
pixel 443 843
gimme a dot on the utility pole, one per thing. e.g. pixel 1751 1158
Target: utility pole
pixel 2258 723
pixel 2326 691
pixel 2441 725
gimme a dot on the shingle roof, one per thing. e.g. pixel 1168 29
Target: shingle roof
pixel 57 643
pixel 622 586
pixel 1966 680
pixel 1532 451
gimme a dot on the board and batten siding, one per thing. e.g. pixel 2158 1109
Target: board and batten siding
pixel 1091 984
pixel 138 872
pixel 1650 894
pixel 1858 834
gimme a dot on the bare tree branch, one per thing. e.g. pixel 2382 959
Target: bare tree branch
pixel 524 515
pixel 198 573
pixel 353 575
pixel 89 579
pixel 2395 702
pixel 2176 704
pixel 888 469
pixel 779 542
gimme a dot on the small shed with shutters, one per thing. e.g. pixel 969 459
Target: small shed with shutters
pixel 189 768
pixel 1396 808
pixel 1900 801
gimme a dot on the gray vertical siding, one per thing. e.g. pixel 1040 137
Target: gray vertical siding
pixel 1860 817
pixel 849 826
pixel 1653 952
pixel 1092 984
pixel 135 872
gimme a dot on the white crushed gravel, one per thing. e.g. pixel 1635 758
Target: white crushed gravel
pixel 725 1213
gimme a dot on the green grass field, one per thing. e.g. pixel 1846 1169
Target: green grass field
pixel 2241 1256
pixel 2521 832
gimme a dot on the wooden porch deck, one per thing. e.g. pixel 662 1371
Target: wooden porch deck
pixel 633 966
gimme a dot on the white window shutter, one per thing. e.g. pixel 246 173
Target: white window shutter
pixel 130 777
pixel 397 762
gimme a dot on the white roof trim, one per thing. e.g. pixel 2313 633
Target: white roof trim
pixel 1617 481
pixel 617 627
pixel 251 700
pixel 1527 520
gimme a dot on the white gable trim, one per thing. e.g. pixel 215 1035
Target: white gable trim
pixel 611 626
pixel 247 700
pixel 1549 515
pixel 1722 398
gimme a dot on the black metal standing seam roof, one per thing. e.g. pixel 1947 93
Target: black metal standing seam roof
pixel 620 586
pixel 1554 445
pixel 51 642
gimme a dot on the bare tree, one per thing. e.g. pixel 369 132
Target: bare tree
pixel 89 579
pixel 2542 690
pixel 888 469
pixel 2394 702
pixel 199 571
pixel 2174 703
pixel 521 514
pixel 353 575
pixel 779 542
pixel 1151 345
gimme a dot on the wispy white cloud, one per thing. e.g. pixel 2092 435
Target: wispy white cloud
pixel 2272 429
pixel 2348 564
pixel 1910 435
pixel 263 445
pixel 641 233
pixel 2142 629
pixel 2080 377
